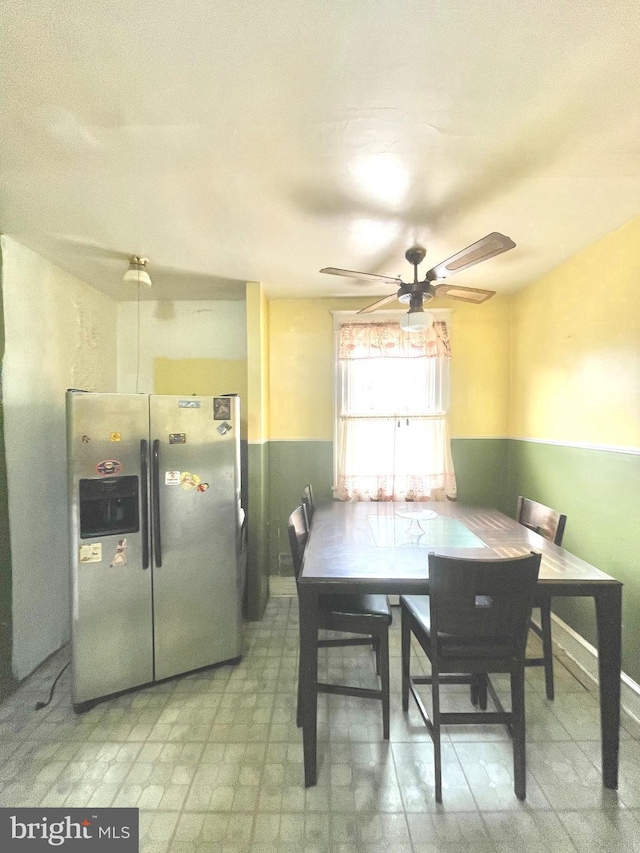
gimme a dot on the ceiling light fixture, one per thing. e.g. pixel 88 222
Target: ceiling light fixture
pixel 137 271
pixel 416 319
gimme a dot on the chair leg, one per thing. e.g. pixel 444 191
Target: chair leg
pixel 482 692
pixel 478 691
pixel 299 700
pixel 435 734
pixel 518 734
pixel 473 690
pixel 383 649
pixel 376 649
pixel 547 647
pixel 405 657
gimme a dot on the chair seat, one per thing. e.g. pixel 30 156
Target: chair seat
pixel 357 605
pixel 418 606
pixel 453 647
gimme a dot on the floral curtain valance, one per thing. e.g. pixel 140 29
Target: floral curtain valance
pixel 388 340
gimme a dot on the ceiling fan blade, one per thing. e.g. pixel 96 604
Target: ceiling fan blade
pixel 464 294
pixel 488 247
pixel 374 307
pixel 365 276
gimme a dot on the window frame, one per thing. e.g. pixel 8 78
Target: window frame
pixel 340 317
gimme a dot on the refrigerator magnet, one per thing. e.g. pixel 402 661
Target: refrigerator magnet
pixel 177 438
pixel 90 553
pixel 221 408
pixel 115 436
pixel 109 467
pixel 172 478
pixel 202 487
pixel 120 556
pixel 189 481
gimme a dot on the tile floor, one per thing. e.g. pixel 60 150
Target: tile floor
pixel 214 762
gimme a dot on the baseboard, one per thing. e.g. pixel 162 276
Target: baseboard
pixel 586 657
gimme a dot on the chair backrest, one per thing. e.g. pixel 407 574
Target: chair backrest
pixel 541 519
pixel 307 500
pixel 298 535
pixel 481 608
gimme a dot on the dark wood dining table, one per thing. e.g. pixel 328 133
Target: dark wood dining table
pixel 366 547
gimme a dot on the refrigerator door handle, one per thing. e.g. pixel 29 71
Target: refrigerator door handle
pixel 144 501
pixel 155 484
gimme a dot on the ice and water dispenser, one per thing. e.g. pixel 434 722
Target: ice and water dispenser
pixel 109 507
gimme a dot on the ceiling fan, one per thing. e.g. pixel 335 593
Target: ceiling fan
pixel 417 292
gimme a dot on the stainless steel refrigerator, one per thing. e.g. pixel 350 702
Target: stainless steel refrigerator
pixel 155 536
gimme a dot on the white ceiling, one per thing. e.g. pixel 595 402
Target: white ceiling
pixel 249 140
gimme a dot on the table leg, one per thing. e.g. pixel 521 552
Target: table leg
pixel 308 673
pixel 609 624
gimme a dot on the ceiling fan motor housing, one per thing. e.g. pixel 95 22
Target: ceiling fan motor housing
pixel 424 288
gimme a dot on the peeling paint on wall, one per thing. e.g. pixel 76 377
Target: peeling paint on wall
pixel 60 333
pixel 89 338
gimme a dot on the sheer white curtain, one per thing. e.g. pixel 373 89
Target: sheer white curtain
pixel 393 441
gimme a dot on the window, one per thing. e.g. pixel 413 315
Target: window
pixel 391 436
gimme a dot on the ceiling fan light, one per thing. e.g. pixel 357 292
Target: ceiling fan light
pixel 416 321
pixel 137 272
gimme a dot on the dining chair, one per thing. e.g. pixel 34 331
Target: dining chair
pixel 473 622
pixel 353 614
pixel 550 524
pixel 308 502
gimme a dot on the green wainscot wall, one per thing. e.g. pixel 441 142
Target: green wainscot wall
pixel 480 465
pixel 257 582
pixel 599 492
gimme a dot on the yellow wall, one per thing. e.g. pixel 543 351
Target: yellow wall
pixel 202 377
pixel 257 360
pixel 575 347
pixel 479 368
pixel 301 367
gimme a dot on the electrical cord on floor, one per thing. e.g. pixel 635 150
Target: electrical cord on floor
pixel 40 705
